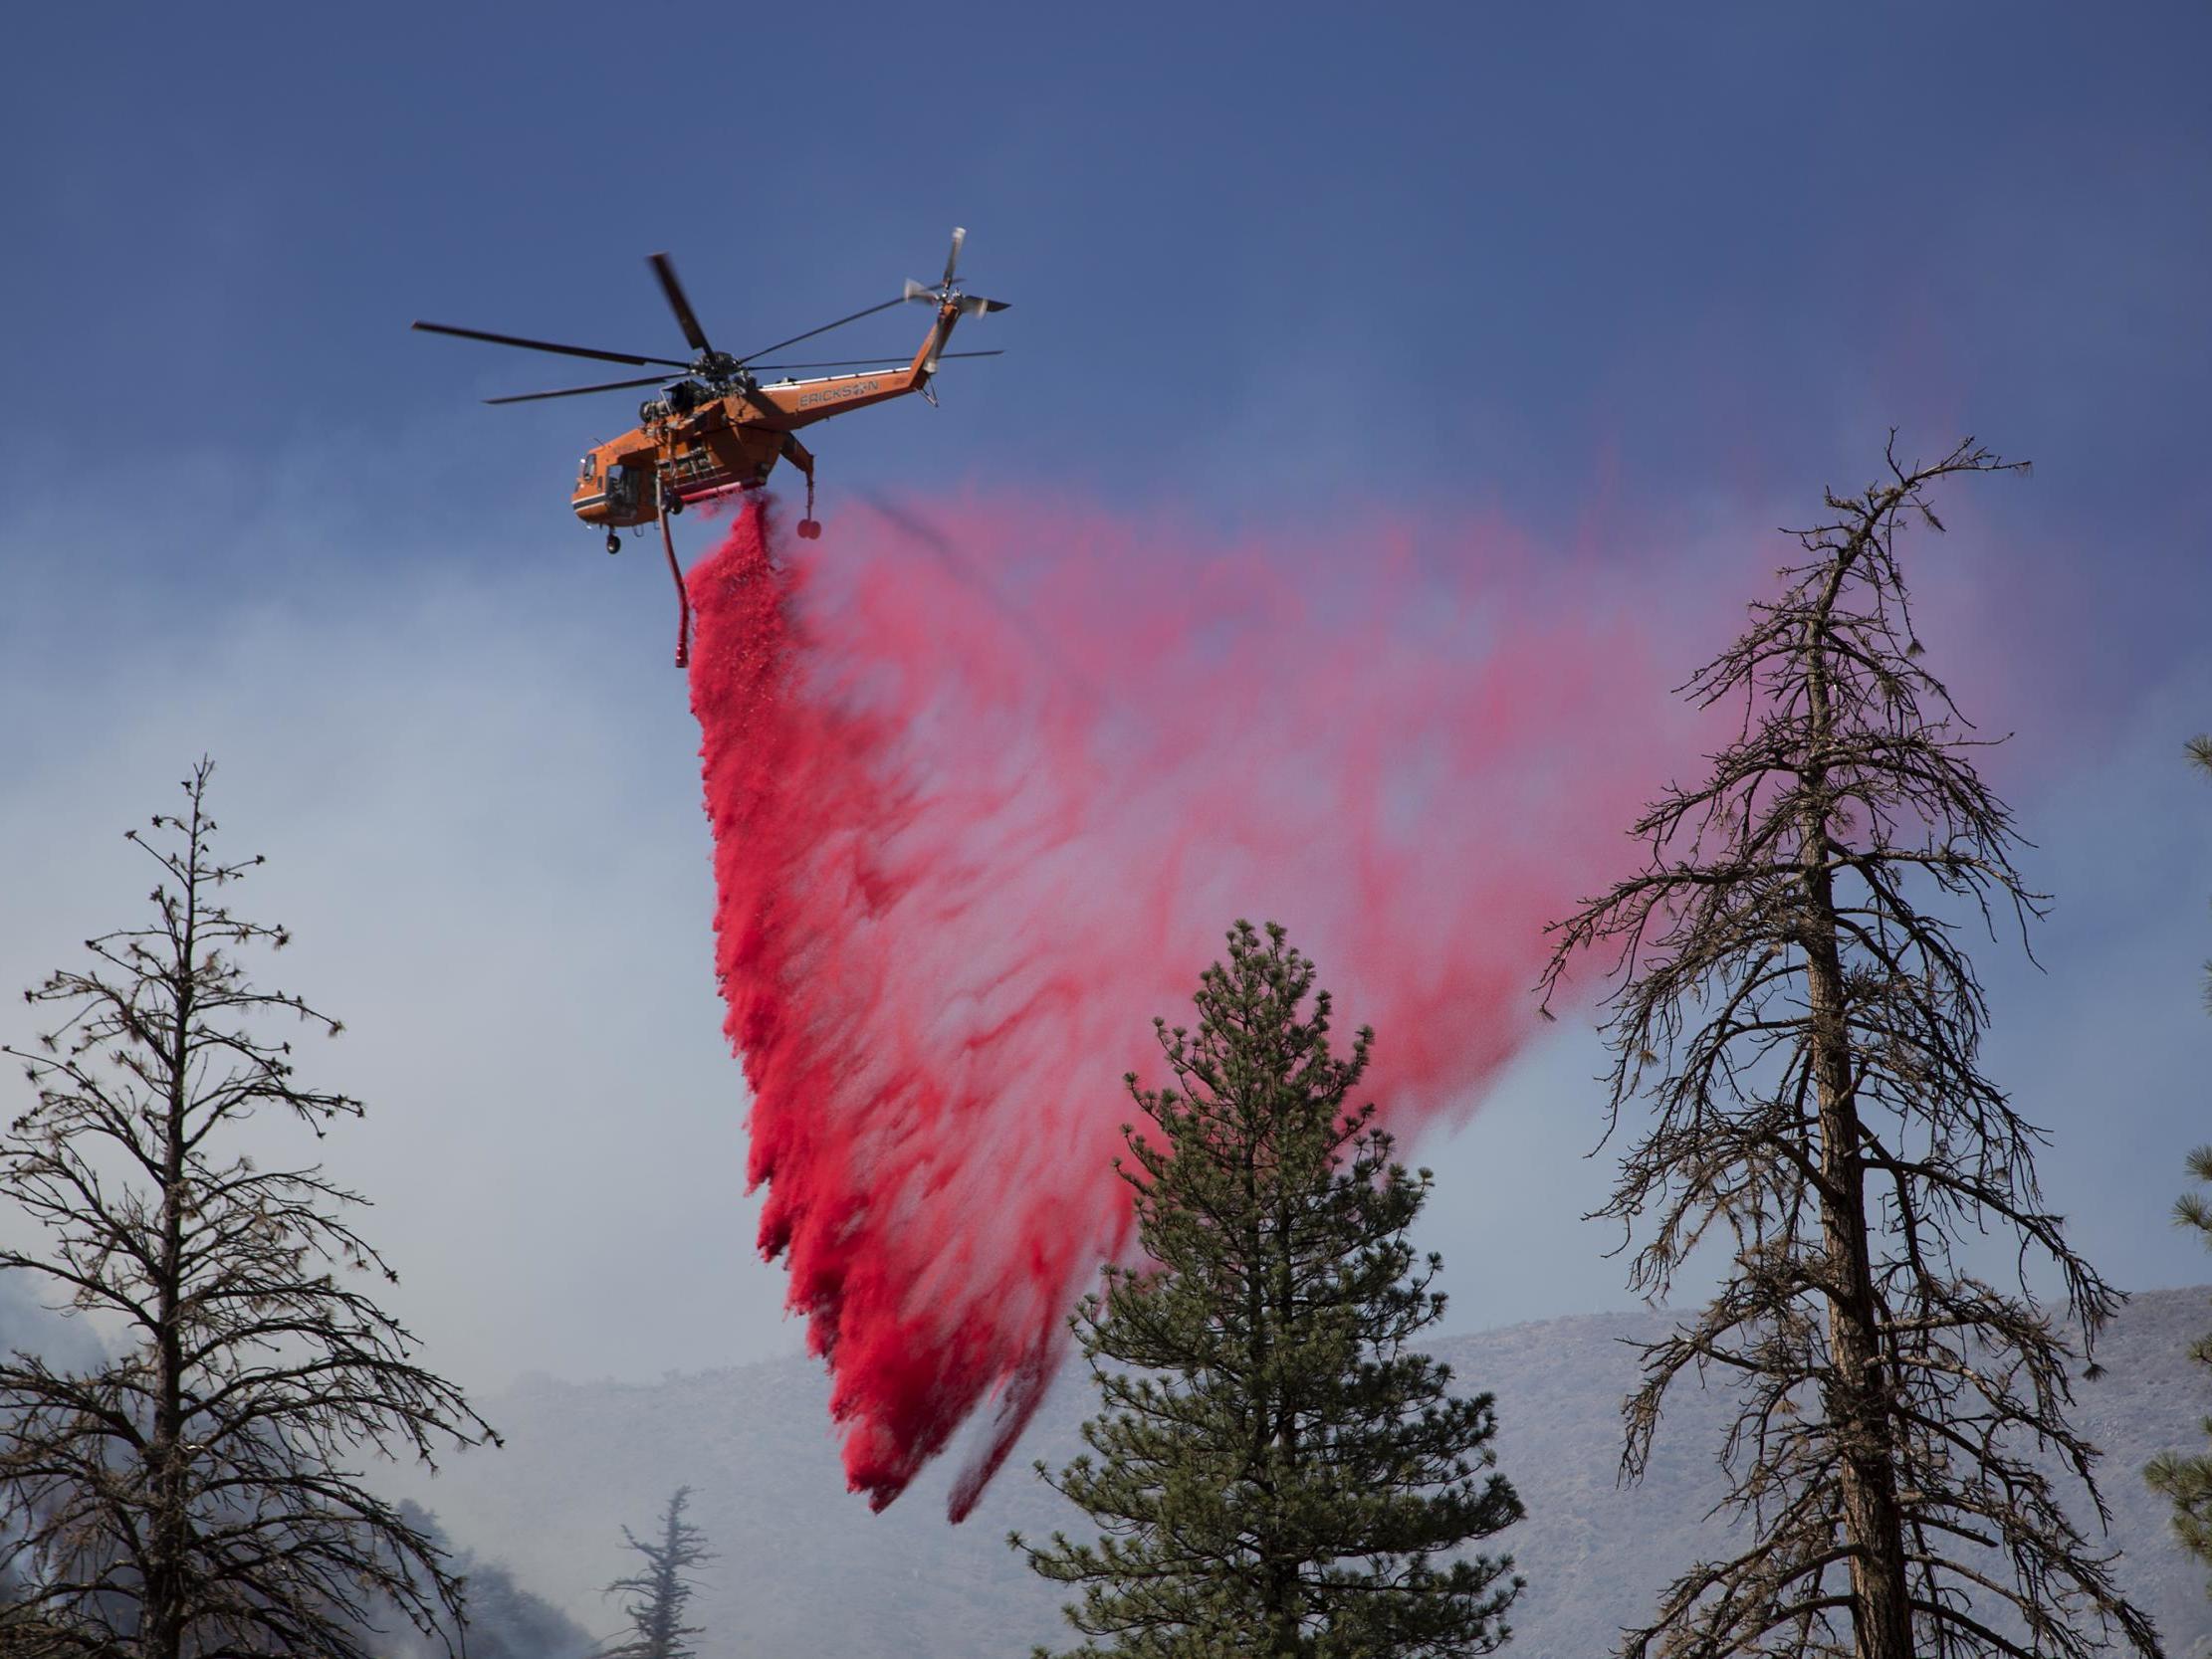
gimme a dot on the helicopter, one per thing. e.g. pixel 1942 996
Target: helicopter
pixel 717 425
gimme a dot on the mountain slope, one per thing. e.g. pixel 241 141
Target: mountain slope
pixel 806 1568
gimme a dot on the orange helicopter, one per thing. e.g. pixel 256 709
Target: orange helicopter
pixel 718 426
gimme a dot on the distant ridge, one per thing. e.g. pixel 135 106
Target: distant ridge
pixel 806 1568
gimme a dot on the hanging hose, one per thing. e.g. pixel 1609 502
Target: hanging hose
pixel 683 599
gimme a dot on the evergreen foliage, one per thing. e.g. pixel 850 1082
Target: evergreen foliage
pixel 2186 1482
pixel 1273 1471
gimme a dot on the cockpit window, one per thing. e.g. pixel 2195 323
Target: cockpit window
pixel 590 463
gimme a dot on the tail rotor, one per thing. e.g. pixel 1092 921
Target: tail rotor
pixel 947 289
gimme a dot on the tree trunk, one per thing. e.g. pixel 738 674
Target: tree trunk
pixel 163 1634
pixel 1264 1257
pixel 1285 1603
pixel 1855 1398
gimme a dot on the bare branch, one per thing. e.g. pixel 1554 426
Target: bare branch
pixel 197 1494
pixel 1793 1006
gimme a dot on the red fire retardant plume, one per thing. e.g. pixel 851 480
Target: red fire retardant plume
pixel 985 794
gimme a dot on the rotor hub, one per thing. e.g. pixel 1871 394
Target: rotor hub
pixel 718 367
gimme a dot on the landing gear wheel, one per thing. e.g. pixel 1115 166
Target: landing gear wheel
pixel 810 529
pixel 672 503
pixel 615 542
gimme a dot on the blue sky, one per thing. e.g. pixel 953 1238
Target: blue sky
pixel 1640 279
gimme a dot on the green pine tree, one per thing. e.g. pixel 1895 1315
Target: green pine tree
pixel 1273 1472
pixel 2187 1481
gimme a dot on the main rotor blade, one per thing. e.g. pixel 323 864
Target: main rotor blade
pixel 546 346
pixel 662 379
pixel 678 303
pixel 578 392
pixel 823 330
pixel 870 362
pixel 959 235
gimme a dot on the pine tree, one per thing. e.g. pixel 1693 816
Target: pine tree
pixel 201 1494
pixel 659 1592
pixel 1274 1472
pixel 1800 1015
pixel 2186 1482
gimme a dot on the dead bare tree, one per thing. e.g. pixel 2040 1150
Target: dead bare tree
pixel 196 1496
pixel 1796 1006
pixel 658 1592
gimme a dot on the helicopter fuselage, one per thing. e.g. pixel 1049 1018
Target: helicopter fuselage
pixel 696 440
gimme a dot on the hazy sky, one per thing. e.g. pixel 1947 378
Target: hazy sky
pixel 1640 279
